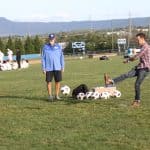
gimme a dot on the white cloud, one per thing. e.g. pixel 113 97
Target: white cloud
pixel 34 18
pixel 61 16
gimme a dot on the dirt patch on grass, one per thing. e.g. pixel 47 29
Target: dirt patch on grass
pixel 37 61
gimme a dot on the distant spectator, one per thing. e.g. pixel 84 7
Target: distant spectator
pixel 24 63
pixel 18 57
pixel 1 56
pixel 10 55
pixel 14 65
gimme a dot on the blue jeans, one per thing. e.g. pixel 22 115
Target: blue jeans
pixel 134 72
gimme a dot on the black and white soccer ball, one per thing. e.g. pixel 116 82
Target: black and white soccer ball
pixel 65 90
pixel 105 95
pixel 88 95
pixel 81 96
pixel 117 94
pixel 95 95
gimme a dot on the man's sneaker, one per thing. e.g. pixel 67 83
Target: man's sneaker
pixel 108 80
pixel 57 98
pixel 136 103
pixel 50 98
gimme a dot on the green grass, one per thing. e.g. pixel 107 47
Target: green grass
pixel 29 122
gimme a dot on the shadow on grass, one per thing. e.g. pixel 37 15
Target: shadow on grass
pixel 67 100
pixel 70 100
pixel 23 97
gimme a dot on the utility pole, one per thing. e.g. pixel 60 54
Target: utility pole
pixel 91 23
pixel 112 36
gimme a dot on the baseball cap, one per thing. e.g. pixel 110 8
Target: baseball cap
pixel 51 36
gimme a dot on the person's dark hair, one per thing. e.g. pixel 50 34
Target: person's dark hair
pixel 141 35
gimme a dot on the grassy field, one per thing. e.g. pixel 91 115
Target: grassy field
pixel 29 122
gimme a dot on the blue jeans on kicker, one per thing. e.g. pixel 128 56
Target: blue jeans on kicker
pixel 134 72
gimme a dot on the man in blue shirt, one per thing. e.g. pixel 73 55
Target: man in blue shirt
pixel 53 65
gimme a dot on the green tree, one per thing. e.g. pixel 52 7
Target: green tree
pixel 68 48
pixel 2 47
pixel 28 45
pixel 37 44
pixel 19 45
pixel 10 44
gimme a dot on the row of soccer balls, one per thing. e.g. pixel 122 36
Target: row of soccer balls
pixel 97 95
pixel 65 90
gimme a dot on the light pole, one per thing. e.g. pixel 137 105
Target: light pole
pixel 112 37
pixel 130 30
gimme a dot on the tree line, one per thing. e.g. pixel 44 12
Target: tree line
pixel 96 41
pixel 27 45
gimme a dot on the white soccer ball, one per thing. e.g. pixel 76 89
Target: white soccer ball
pixel 95 95
pixel 105 95
pixel 81 57
pixel 117 94
pixel 88 95
pixel 65 90
pixel 80 96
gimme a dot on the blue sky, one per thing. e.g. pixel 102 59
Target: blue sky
pixel 72 10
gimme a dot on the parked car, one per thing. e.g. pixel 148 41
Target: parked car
pixel 103 58
pixel 130 52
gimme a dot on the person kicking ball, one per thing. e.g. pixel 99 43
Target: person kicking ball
pixel 140 71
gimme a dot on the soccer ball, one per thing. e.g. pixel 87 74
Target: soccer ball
pixel 105 95
pixel 65 90
pixel 80 96
pixel 88 95
pixel 95 95
pixel 117 94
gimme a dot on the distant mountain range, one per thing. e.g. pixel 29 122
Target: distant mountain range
pixel 8 27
